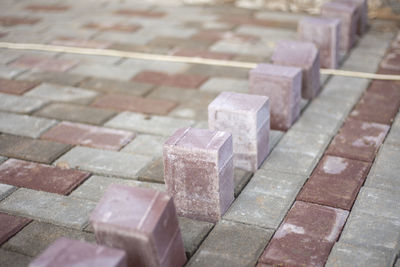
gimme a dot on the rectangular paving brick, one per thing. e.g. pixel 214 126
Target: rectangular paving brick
pixel 117 27
pixel 156 66
pixel 75 113
pixel 306 236
pixel 40 177
pixel 6 190
pixel 47 8
pixel 13 259
pixel 10 225
pixel 116 86
pixel 44 63
pixel 153 172
pixel 139 13
pixel 9 21
pixel 391 62
pixel 203 54
pixel 193 233
pixel 104 71
pixel 176 80
pixel 88 135
pixel 31 149
pixel 49 207
pixel 133 103
pixel 358 140
pixel 146 145
pixel 104 162
pixel 52 77
pixel 60 93
pixel 20 104
pixel 7 72
pixel 221 84
pixel 66 41
pixel 24 125
pixel 16 87
pixel 157 125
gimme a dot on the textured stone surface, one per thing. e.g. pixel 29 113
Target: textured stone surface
pixel 246 117
pixel 48 207
pixel 10 225
pixel 324 33
pixel 146 145
pixel 198 172
pixel 52 77
pixel 153 172
pixel 24 125
pixel 104 71
pixel 16 87
pixel 12 259
pixel 282 85
pixel 104 162
pixel 116 86
pixel 68 252
pixel 40 177
pixel 218 84
pixel 358 140
pixel 87 135
pixel 193 233
pixel 31 149
pixel 43 63
pixel 19 104
pixel 37 236
pixel 6 190
pixel 305 56
pixel 129 217
pixel 240 179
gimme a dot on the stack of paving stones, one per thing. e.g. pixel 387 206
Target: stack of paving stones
pixel 72 125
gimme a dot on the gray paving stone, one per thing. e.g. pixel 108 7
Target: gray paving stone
pixel 8 72
pixel 151 65
pixel 6 190
pixel 63 78
pixel 274 137
pixel 13 259
pixel 269 34
pixel 153 172
pixel 183 96
pixel 371 231
pixel 232 244
pixel 105 71
pixel 94 187
pixel 145 144
pixel 24 125
pixel 343 254
pixel 2 159
pixel 361 61
pixel 48 207
pixel 60 93
pixel 91 59
pixel 37 236
pixel 116 86
pixel 190 111
pixel 104 162
pixel 219 84
pixel 317 122
pixel 240 179
pixel 378 202
pixel 397 264
pixel 393 137
pixel 346 88
pixel 218 71
pixel 332 106
pixel 157 125
pixel 20 104
pixel 193 233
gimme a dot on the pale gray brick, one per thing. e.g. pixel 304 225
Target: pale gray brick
pixel 393 137
pixel 317 122
pixel 331 106
pixel 151 145
pixel 269 34
pixel 193 233
pixel 8 72
pixel 348 89
pixel 218 84
pixel 151 65
pixel 20 104
pixel 6 190
pixel 105 71
pixel 274 137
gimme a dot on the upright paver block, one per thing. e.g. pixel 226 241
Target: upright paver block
pixel 142 222
pixel 304 55
pixel 69 253
pixel 246 117
pixel 198 172
pixel 324 33
pixel 348 15
pixel 282 85
pixel 362 9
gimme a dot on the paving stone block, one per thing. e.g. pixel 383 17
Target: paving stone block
pixel 24 125
pixel 43 63
pixel 240 179
pixel 19 104
pixel 166 67
pixel 315 122
pixel 94 187
pixel 331 106
pixel 217 71
pixel 67 41
pixel 153 172
pixel 37 236
pixel 119 223
pixel 16 87
pixel 48 207
pixel 133 103
pixel 324 33
pixel 7 72
pixel 31 149
pixel 88 135
pixel 344 254
pixel 75 113
pixel 10 225
pixel 141 123
pixel 59 93
pixel 183 96
pixel 391 61
pixel 116 86
pixel 345 88
pixel 193 233
pixel 145 144
pixel 12 259
pixel 203 54
pixel 68 252
pixel 305 56
pixel 104 162
pixel 185 81
pixel 220 84
pixel 47 8
pixel 371 231
pixel 198 172
pixel 232 244
pixel 104 71
pixel 393 138
pixel 246 117
pixel 348 15
pixel 6 190
pixel 282 85
pixel 40 177
pixel 63 78
pixel 358 140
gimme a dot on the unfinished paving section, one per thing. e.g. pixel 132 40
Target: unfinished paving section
pixel 43 92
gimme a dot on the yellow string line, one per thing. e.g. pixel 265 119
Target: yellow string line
pixel 168 58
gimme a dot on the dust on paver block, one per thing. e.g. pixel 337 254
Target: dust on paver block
pixel 304 55
pixel 282 85
pixel 67 252
pixel 348 15
pixel 324 33
pixel 306 236
pixel 142 222
pixel 198 172
pixel 246 117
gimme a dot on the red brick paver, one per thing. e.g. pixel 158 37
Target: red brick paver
pixel 176 80
pixel 10 225
pixel 47 8
pixel 118 27
pixel 13 21
pixel 44 63
pixel 16 87
pixel 139 13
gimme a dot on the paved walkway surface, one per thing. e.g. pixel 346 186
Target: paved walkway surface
pixel 73 124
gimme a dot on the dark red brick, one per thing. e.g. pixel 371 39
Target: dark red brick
pixel 389 90
pixel 44 63
pixel 47 8
pixel 135 103
pixel 337 167
pixel 118 27
pixel 2 34
pixel 16 87
pixel 185 81
pixel 203 54
pixel 358 140
pixel 10 225
pixel 88 135
pixel 68 41
pixel 139 13
pixel 151 77
pixel 391 61
pixel 13 21
pixel 40 177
